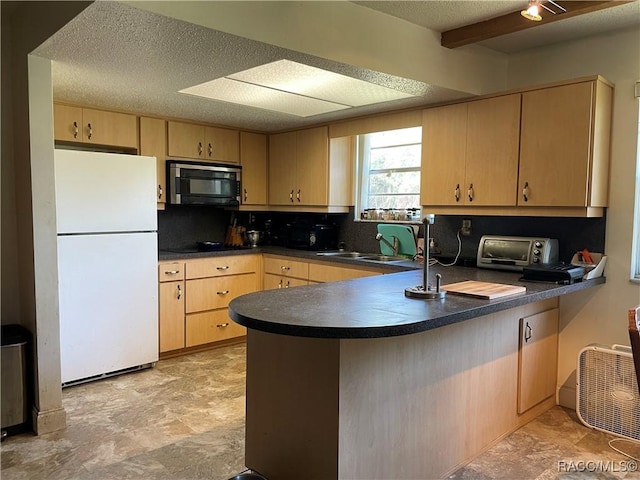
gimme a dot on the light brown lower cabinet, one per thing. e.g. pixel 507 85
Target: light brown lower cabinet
pixel 194 296
pixel 538 358
pixel 211 326
pixel 272 282
pixel 171 316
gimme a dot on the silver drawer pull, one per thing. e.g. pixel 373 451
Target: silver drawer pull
pixel 223 292
pixel 283 268
pixel 172 272
pixel 222 325
pixel 226 267
pixel 178 292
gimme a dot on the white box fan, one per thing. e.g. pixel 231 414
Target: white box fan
pixel 607 395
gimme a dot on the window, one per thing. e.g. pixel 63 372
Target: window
pixel 635 265
pixel 389 174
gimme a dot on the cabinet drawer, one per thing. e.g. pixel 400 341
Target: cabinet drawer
pixel 286 267
pixel 330 273
pixel 170 271
pixel 212 326
pixel 272 282
pixel 219 266
pixel 210 293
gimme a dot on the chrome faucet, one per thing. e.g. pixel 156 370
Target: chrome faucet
pixel 393 247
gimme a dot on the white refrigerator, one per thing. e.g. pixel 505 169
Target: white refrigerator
pixel 107 263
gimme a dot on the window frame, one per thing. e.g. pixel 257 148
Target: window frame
pixel 363 170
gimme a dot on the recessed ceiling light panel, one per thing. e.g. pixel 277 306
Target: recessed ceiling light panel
pixel 233 91
pixel 315 82
pixel 293 88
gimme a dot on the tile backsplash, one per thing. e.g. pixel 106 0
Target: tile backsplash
pixel 182 225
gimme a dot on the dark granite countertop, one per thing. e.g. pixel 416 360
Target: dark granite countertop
pixel 166 255
pixel 374 307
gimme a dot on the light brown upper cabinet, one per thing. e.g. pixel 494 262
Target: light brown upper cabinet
pixel 153 143
pixel 470 153
pixel 303 173
pixel 542 151
pixel 253 158
pixel 188 140
pixel 97 127
pixel 299 167
pixel 564 153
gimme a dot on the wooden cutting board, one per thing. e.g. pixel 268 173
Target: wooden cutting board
pixel 485 290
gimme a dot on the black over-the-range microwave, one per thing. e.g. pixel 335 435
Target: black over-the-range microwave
pixel 201 183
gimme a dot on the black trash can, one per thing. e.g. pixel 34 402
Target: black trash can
pixel 14 378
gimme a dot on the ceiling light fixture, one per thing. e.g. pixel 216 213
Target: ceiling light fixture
pixel 532 12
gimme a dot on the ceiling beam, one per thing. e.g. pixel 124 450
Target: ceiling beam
pixel 514 22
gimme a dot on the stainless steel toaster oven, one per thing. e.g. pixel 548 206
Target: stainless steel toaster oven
pixel 514 253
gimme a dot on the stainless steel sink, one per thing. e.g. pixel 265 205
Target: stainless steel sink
pixel 383 258
pixel 341 254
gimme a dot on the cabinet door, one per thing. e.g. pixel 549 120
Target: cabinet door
pixel 444 138
pixel 153 143
pixel 282 168
pixel 312 167
pixel 273 282
pixel 109 128
pixel 212 326
pixel 253 157
pixel 67 123
pixel 222 145
pixel 538 358
pixel 185 140
pixel 491 160
pixel 171 316
pixel 555 146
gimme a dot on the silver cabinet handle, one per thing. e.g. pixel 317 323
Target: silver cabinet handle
pixel 288 284
pixel 222 325
pixel 160 192
pixel 226 267
pixel 291 196
pixel 456 193
pixel 298 195
pixel 245 194
pixel 90 131
pixel 525 192
pixel 280 284
pixel 284 268
pixel 172 272
pixel 470 192
pixel 75 129
pixel 210 150
pixel 178 292
pixel 199 148
pixel 223 292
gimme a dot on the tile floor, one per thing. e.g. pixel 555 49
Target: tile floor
pixel 184 420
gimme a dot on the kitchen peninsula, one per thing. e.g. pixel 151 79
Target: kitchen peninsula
pixel 352 380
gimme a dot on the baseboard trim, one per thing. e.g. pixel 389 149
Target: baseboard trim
pixel 49 420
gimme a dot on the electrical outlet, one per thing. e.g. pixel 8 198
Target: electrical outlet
pixel 466 227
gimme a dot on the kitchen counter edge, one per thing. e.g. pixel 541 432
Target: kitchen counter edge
pixel 375 307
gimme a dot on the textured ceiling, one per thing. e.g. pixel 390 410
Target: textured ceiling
pixel 442 15
pixel 119 57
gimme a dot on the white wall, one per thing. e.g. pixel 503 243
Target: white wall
pixel 597 315
pixel 348 33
